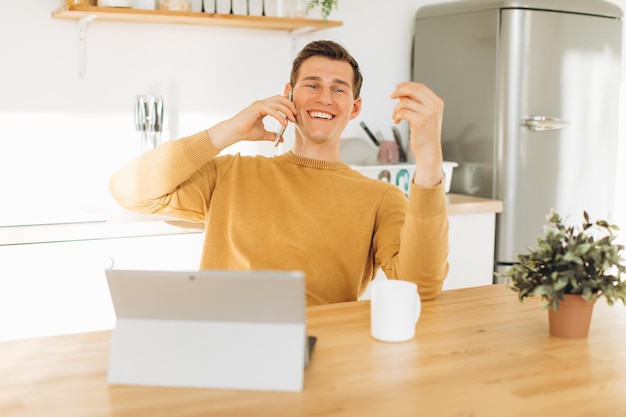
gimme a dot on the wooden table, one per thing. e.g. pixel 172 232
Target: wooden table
pixel 477 352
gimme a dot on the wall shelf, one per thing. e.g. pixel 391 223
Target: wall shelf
pixel 192 18
pixel 86 14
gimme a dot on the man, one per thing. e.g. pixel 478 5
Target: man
pixel 305 209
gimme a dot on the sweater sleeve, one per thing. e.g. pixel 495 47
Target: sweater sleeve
pixel 166 180
pixel 422 256
pixel 424 240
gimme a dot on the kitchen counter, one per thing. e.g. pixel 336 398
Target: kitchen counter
pixel 137 225
pixel 45 266
pixel 467 204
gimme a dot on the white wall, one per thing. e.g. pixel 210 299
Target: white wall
pixel 61 137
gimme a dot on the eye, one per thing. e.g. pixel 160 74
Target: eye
pixel 339 90
pixel 314 86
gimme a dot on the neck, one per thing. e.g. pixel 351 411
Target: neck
pixel 322 151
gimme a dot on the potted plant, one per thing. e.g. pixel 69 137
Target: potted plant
pixel 325 6
pixel 570 269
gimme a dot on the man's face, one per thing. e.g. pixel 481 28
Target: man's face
pixel 323 95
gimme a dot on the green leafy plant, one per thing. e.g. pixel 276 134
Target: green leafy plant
pixel 571 260
pixel 326 6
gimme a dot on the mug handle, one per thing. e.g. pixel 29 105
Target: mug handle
pixel 418 307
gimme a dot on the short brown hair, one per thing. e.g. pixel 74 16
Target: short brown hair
pixel 330 50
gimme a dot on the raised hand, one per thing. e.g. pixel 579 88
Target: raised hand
pixel 423 110
pixel 248 123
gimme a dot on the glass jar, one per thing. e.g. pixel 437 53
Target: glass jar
pixel 297 8
pixel 115 3
pixel 80 2
pixel 144 4
pixel 175 5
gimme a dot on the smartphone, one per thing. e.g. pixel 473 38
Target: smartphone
pixel 281 130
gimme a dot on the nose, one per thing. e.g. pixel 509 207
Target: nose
pixel 324 96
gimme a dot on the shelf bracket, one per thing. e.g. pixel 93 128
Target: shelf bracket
pixel 294 37
pixel 82 42
pixel 301 31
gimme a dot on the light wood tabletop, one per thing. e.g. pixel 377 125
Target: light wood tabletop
pixel 477 352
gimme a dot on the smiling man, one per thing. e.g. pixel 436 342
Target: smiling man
pixel 305 209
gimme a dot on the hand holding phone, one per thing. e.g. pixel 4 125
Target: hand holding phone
pixel 281 130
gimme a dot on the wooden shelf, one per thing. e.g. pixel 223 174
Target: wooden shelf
pixel 191 18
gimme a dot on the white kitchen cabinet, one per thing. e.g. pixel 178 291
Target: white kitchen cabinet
pixel 472 244
pixel 173 252
pixel 55 288
pixel 52 288
pixel 472 237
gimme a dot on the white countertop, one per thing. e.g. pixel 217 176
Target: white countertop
pixel 137 225
pixel 131 226
pixel 467 204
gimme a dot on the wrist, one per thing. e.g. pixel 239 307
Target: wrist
pixel 428 174
pixel 428 181
pixel 220 136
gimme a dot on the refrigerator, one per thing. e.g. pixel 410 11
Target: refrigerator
pixel 531 92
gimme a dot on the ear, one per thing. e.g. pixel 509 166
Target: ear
pixel 356 108
pixel 288 88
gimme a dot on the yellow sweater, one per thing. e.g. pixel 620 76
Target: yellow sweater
pixel 293 213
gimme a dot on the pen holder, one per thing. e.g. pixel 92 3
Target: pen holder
pixel 388 152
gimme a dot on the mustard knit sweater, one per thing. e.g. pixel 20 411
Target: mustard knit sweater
pixel 292 213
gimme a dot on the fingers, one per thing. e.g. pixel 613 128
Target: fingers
pixel 284 116
pixel 280 108
pixel 416 102
pixel 415 91
pixel 251 118
pixel 423 110
pixel 248 123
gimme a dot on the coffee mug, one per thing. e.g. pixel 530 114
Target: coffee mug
pixel 395 308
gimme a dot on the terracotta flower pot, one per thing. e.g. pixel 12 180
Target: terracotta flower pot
pixel 573 318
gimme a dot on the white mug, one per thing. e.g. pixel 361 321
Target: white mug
pixel 395 308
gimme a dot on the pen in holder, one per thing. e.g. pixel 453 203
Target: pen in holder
pixel 149 120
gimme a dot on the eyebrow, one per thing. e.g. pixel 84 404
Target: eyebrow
pixel 334 81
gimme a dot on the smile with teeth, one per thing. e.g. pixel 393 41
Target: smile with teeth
pixel 321 115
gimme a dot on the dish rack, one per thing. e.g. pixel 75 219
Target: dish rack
pixel 402 174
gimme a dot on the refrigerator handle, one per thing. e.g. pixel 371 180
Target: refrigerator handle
pixel 545 123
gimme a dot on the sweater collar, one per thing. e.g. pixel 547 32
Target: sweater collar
pixel 313 163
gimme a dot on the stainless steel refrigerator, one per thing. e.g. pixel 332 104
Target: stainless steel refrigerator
pixel 531 91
